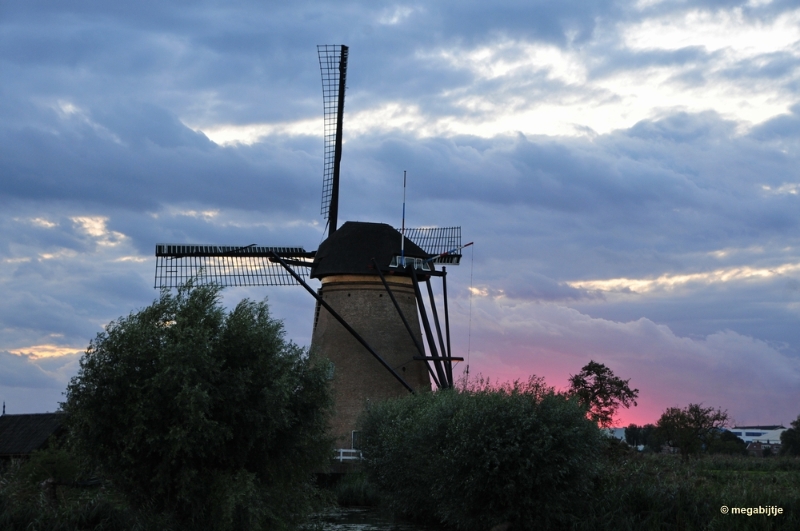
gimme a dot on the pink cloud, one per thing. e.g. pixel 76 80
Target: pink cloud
pixel 752 380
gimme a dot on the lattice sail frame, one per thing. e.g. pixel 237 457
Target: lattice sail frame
pixel 333 65
pixel 226 265
pixel 437 240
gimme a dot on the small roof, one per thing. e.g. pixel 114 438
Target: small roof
pixel 351 248
pixel 22 434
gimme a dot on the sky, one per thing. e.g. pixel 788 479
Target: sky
pixel 628 171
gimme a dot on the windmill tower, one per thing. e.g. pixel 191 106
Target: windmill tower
pixel 370 303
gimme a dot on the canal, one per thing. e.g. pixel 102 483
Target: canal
pixel 359 519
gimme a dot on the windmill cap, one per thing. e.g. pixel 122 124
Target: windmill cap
pixel 351 248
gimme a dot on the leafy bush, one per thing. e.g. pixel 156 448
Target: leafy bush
pixel 211 418
pixel 474 458
pixel 41 494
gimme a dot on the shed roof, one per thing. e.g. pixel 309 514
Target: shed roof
pixel 351 248
pixel 22 434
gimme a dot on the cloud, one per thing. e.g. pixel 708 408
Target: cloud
pixel 132 165
pixel 683 180
pixel 712 29
pixel 25 370
pixel 749 378
pixel 783 127
pixel 32 384
pixel 670 282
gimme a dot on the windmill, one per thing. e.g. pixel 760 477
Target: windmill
pixel 370 303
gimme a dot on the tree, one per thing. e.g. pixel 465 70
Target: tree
pixel 790 439
pixel 692 428
pixel 210 417
pixel 601 392
pixel 633 435
pixel 727 443
pixel 642 436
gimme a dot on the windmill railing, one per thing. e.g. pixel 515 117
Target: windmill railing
pixel 443 243
pixel 348 454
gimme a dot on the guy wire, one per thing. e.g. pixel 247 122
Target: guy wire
pixel 324 230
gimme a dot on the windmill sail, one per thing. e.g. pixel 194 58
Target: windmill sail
pixel 227 265
pixel 438 241
pixel 333 65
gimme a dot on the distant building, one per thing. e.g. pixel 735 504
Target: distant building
pixel 759 449
pixel 22 434
pixel 763 434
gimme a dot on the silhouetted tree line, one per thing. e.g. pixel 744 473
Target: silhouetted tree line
pixel 790 439
pixel 691 430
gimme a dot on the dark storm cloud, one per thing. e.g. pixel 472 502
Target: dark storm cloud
pixel 684 183
pixel 71 303
pixel 239 228
pixel 241 52
pixel 138 156
pixel 525 284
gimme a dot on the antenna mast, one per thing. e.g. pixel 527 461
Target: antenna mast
pixel 333 65
pixel 403 228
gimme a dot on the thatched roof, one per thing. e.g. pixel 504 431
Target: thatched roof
pixel 351 248
pixel 22 434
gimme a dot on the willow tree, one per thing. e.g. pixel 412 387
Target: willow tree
pixel 210 417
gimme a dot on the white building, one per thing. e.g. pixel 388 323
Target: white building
pixel 764 434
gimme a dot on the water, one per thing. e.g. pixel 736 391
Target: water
pixel 359 519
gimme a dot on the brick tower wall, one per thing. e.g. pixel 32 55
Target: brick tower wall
pixel 359 378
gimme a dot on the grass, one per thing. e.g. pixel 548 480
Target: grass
pixel 633 492
pixel 664 492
